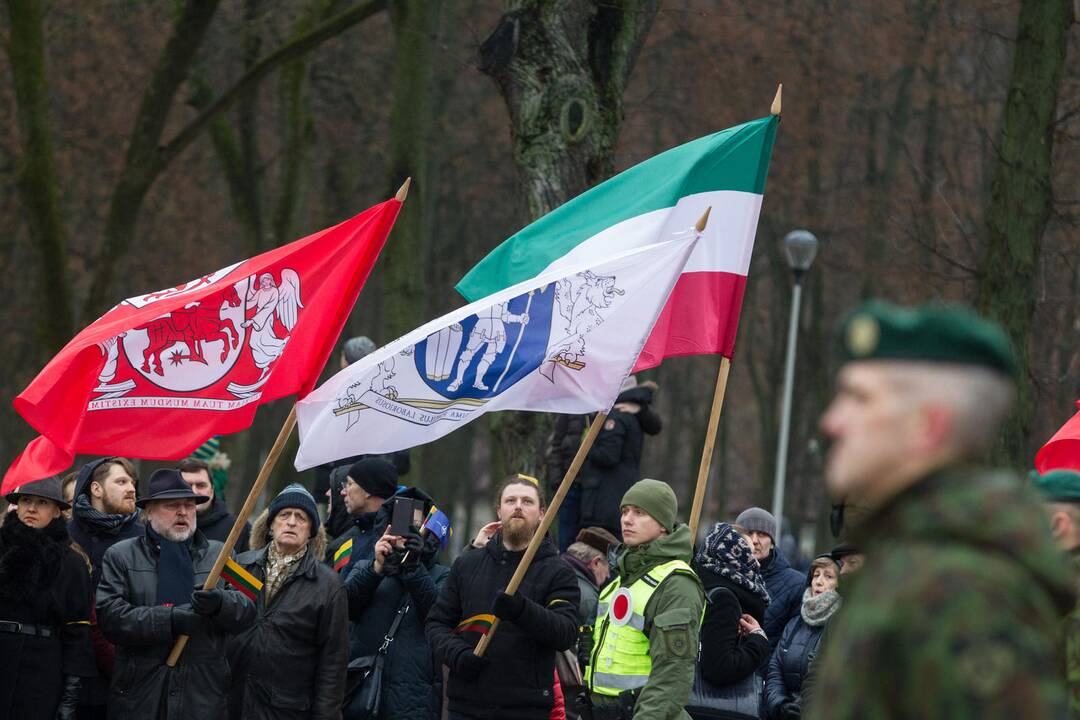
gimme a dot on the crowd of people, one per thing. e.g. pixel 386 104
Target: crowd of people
pixel 948 598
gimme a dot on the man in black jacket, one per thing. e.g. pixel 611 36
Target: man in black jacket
pixel 291 664
pixel 613 463
pixel 145 602
pixel 215 520
pixel 515 677
pixel 368 485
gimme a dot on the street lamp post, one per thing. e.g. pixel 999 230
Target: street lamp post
pixel 800 248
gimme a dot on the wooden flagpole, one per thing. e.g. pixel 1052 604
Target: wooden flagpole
pixel 718 400
pixel 256 490
pixel 241 518
pixel 545 524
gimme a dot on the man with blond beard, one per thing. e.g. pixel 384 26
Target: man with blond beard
pixel 147 599
pixel 514 678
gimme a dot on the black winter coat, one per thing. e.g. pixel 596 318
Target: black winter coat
pixel 291 663
pixel 43 582
pixel 412 685
pixel 142 685
pixel 519 670
pixel 790 662
pixel 611 467
pixel 785 585
pixel 726 656
pixel 216 523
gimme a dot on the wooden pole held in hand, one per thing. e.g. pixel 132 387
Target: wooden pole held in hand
pixel 241 518
pixel 710 442
pixel 545 524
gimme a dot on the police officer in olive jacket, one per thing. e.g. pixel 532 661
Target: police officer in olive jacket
pixel 291 664
pixel 145 602
pixel 515 677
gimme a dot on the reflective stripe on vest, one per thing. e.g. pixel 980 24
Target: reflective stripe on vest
pixel 620 659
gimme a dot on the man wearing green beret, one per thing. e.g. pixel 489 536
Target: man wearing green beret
pixel 1061 489
pixel 645 638
pixel 957 612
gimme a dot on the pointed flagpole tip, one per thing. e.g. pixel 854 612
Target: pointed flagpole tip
pixel 775 109
pixel 700 227
pixel 403 191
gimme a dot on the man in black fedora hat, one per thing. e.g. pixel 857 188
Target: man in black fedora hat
pixel 147 598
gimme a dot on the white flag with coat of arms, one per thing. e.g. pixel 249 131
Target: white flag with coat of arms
pixel 561 342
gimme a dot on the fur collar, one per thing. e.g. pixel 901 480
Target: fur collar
pixel 29 558
pixel 260 536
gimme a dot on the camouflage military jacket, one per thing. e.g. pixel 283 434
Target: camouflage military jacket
pixel 1072 646
pixel 956 613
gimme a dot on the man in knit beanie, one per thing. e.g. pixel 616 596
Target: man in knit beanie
pixel 784 583
pixel 369 483
pixel 654 604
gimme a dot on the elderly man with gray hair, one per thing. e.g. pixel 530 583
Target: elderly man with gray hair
pixel 147 598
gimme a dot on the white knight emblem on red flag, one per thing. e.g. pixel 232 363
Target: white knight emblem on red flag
pixel 179 360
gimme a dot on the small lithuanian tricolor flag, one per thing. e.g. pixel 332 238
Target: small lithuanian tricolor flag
pixel 341 557
pixel 241 579
pixel 477 623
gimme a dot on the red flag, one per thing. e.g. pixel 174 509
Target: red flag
pixel 161 372
pixel 1063 450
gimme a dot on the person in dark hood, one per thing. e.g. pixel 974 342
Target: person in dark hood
pixel 784 583
pixel 291 663
pixel 790 664
pixel 514 678
pixel 612 465
pixel 145 601
pixel 45 649
pixel 103 513
pixel 404 576
pixel 733 644
pixel 367 486
pixel 215 520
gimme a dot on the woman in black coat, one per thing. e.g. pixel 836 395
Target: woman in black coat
pixel 733 645
pixel 45 596
pixel 786 681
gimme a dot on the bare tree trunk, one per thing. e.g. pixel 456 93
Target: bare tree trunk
pixel 37 180
pixel 562 67
pixel 1021 196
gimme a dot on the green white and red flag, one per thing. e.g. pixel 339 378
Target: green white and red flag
pixel 725 171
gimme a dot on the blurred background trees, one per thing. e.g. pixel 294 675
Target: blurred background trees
pixel 929 144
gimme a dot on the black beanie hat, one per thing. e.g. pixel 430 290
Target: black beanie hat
pixel 375 475
pixel 295 496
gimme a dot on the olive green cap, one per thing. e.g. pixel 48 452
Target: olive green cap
pixel 1058 485
pixel 955 334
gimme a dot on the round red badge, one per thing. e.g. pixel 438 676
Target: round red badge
pixel 622 607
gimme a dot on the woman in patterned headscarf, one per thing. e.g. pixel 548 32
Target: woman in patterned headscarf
pixel 733 645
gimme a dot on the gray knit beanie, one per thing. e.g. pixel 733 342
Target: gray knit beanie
pixel 357 347
pixel 757 519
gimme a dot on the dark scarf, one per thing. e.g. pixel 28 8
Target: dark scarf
pixel 175 570
pixel 727 554
pixel 98 521
pixel 30 558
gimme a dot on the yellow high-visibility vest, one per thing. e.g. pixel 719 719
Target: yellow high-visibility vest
pixel 620 657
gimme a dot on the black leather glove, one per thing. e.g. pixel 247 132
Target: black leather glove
pixel 432 546
pixel 509 607
pixel 186 621
pixel 414 547
pixel 69 698
pixel 790 711
pixel 469 665
pixel 392 563
pixel 207 602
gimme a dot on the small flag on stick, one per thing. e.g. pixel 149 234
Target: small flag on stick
pixel 438 524
pixel 234 574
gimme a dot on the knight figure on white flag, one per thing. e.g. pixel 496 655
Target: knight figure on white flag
pixel 560 342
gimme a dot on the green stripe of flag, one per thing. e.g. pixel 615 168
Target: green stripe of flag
pixel 733 159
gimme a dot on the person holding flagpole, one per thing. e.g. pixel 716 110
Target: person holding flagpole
pixel 514 677
pixel 145 602
pixel 645 640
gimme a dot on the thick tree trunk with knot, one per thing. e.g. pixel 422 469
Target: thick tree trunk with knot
pixel 562 67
